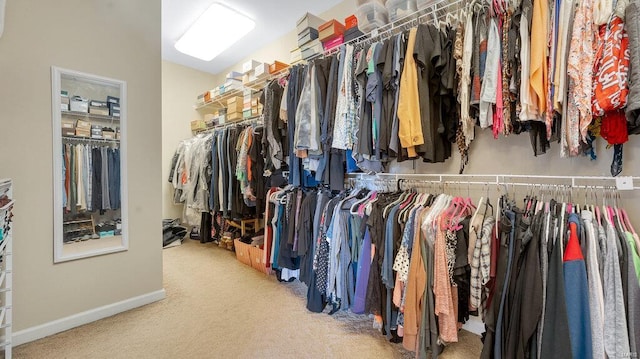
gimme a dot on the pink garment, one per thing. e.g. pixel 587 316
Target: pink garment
pixel 444 307
pixel 498 116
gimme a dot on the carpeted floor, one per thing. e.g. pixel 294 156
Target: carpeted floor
pixel 217 307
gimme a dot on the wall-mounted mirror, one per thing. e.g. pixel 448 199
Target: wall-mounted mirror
pixel 89 160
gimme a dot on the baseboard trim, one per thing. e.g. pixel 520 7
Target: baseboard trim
pixel 76 320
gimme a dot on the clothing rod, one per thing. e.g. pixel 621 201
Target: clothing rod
pixel 399 23
pixel 87 139
pixel 498 179
pixel 256 120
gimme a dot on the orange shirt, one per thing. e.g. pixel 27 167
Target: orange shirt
pixel 538 76
pixel 409 125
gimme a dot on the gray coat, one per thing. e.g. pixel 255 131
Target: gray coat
pixel 632 24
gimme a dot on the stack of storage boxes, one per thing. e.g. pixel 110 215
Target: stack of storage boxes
pixel 371 14
pixel 198 125
pixel 234 108
pixel 79 104
pixel 96 131
pixel 99 108
pixel 308 35
pixel 246 108
pixel 351 31
pixel 64 101
pixel 114 106
pixel 248 69
pixel 331 34
pixel 68 127
pixel 83 128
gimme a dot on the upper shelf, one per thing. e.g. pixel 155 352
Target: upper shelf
pixel 89 116
pixel 219 102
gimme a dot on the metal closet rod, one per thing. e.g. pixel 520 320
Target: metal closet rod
pixel 495 179
pixel 256 120
pixel 386 31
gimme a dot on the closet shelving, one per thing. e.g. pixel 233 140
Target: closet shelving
pixel 90 116
pixel 220 101
pixel 6 278
pixel 89 139
pixel 232 123
pixel 435 11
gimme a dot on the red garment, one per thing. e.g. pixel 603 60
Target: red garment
pixel 573 252
pixel 614 128
pixel 611 68
pixel 67 177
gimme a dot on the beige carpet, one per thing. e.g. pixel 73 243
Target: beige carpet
pixel 217 307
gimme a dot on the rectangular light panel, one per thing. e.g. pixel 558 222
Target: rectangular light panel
pixel 216 30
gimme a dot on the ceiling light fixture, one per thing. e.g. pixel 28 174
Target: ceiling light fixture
pixel 216 30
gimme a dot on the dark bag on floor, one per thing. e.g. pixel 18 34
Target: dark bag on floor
pixel 205 227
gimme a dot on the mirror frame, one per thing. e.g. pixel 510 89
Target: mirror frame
pixel 57 74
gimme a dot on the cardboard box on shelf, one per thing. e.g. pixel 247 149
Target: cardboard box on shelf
pixel 234 116
pixel 249 77
pixel 68 124
pixel 234 99
pixel 108 134
pixel 198 125
pixel 83 132
pixel 261 70
pixel 277 66
pixel 96 103
pixel 66 131
pixel 308 20
pixel 103 111
pixel 330 30
pixel 112 99
pixel 230 85
pixel 79 104
pixel 200 99
pixel 351 22
pixel 234 75
pixel 114 108
pixel 96 133
pixel 311 49
pixel 249 65
pixel 235 104
pixel 296 55
pixel 82 124
pixel 309 34
pixel 335 42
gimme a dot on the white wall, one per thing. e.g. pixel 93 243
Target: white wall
pixel 118 39
pixel 180 88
